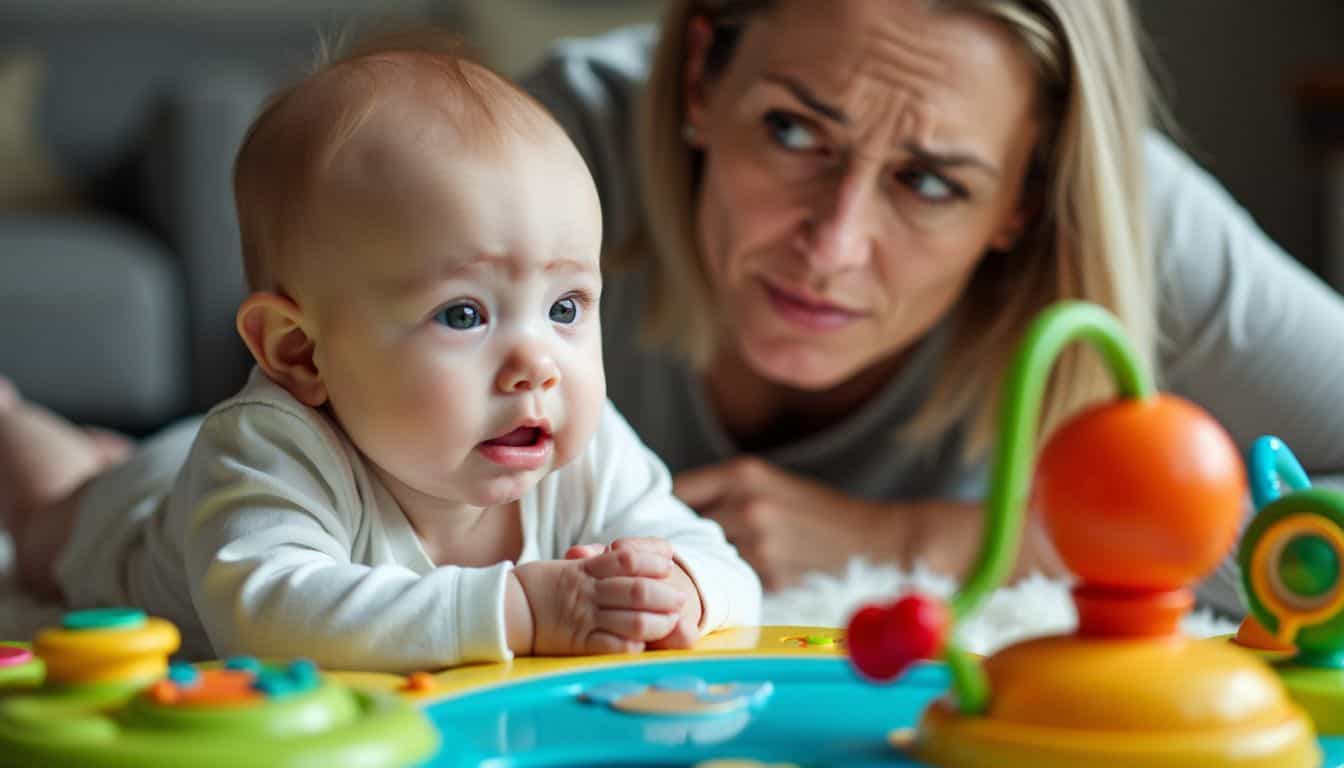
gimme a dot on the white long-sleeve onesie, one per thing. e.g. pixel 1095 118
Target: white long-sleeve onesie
pixel 276 539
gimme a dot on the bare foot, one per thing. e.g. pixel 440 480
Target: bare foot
pixel 44 461
pixel 9 394
pixel 111 446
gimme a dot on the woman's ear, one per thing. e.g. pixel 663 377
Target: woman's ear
pixel 272 326
pixel 1005 239
pixel 695 85
pixel 1010 232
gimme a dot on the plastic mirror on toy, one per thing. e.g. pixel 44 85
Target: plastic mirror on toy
pixel 99 691
pixel 1290 560
pixel 1141 496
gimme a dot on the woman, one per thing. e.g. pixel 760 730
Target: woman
pixel 829 223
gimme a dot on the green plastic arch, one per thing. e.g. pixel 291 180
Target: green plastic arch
pixel 1014 457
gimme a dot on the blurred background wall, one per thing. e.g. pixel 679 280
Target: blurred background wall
pixel 1230 68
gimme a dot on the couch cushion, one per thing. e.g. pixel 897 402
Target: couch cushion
pixel 96 322
pixel 106 75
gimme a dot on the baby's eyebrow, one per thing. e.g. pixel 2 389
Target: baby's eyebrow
pixel 516 267
pixel 510 265
pixel 569 265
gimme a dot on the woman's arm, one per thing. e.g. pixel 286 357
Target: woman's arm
pixel 1251 335
pixel 786 525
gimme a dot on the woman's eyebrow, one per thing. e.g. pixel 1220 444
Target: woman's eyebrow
pixel 805 95
pixel 949 159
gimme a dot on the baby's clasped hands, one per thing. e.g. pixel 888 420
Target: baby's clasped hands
pixel 617 599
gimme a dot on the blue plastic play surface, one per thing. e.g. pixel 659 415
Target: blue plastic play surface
pixel 818 713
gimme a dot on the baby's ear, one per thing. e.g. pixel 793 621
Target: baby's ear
pixel 272 326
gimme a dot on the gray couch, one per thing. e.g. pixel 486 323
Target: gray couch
pixel 121 312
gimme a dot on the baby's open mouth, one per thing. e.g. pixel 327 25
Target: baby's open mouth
pixel 525 448
pixel 520 438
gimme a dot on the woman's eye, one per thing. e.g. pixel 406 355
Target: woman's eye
pixel 565 311
pixel 789 132
pixel 930 186
pixel 460 317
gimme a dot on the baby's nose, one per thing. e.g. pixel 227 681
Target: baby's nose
pixel 527 370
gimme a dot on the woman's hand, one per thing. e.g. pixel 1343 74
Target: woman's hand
pixel 785 525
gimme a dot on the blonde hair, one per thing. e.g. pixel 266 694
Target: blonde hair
pixel 279 168
pixel 1088 241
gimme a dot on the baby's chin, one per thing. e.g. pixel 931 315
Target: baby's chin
pixel 498 491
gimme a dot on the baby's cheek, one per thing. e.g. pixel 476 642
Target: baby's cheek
pixel 584 406
pixel 434 411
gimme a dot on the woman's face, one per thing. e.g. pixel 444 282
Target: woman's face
pixel 860 158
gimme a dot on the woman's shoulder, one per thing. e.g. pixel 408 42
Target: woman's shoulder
pixel 1189 210
pixel 591 86
pixel 622 55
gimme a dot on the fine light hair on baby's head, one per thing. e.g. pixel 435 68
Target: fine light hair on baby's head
pixel 423 74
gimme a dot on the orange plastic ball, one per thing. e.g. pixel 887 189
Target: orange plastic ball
pixel 1141 494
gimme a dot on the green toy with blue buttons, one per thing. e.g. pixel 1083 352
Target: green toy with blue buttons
pixel 99 691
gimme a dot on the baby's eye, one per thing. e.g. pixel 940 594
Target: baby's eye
pixel 789 131
pixel 565 311
pixel 461 317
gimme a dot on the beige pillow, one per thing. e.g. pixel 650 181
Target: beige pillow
pixel 29 181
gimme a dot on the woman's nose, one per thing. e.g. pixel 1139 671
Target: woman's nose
pixel 527 368
pixel 842 228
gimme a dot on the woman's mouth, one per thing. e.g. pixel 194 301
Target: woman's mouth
pixel 524 448
pixel 808 313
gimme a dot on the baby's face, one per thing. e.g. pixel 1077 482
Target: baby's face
pixel 457 312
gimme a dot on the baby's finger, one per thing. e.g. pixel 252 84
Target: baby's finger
pixel 639 595
pixel 605 642
pixel 582 551
pixel 644 626
pixel 646 543
pixel 683 636
pixel 628 562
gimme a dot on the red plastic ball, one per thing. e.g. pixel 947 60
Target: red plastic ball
pixel 884 640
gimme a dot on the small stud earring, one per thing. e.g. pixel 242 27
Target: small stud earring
pixel 689 134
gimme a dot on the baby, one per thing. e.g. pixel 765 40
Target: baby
pixel 428 408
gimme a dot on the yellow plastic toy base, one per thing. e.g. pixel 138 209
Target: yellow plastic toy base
pixel 756 642
pixel 1062 702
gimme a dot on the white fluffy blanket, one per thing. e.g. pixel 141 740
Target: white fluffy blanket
pixel 1032 607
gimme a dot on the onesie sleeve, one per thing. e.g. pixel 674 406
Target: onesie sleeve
pixel 272 516
pixel 632 497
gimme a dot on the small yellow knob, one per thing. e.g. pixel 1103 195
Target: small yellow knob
pixel 126 653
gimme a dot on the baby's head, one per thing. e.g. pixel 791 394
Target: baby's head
pixel 421 241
